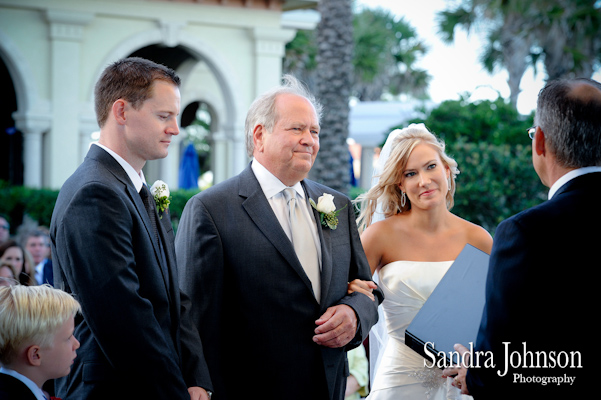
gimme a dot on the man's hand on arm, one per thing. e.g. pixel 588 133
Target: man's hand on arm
pixel 198 393
pixel 336 327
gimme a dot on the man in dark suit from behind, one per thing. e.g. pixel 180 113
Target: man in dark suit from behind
pixel 137 341
pixel 542 271
pixel 275 327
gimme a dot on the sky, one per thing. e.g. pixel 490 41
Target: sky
pixel 455 67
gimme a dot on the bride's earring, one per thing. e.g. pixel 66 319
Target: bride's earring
pixel 403 199
pixel 449 182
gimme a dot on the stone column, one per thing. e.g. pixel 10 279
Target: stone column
pixel 220 157
pixel 33 127
pixel 367 167
pixel 66 29
pixel 270 47
pixel 87 126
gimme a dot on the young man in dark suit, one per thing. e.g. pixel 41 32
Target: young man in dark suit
pixel 275 321
pixel 542 267
pixel 116 254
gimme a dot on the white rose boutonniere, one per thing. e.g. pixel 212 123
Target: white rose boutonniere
pixel 160 191
pixel 328 215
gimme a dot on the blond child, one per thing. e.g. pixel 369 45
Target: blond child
pixel 36 339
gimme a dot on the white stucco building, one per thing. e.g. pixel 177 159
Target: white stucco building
pixel 53 51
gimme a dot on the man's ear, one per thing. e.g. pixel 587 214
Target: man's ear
pixel 539 142
pixel 118 111
pixel 258 134
pixel 33 355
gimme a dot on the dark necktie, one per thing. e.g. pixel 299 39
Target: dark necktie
pixel 151 209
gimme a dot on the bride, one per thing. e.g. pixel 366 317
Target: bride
pixel 410 239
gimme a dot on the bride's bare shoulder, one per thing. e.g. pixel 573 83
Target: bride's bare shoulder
pixel 477 236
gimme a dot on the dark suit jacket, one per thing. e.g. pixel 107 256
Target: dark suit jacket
pixel 48 274
pixel 252 300
pixel 540 281
pixel 137 340
pixel 13 389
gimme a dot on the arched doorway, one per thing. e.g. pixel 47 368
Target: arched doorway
pixel 11 139
pixel 206 76
pixel 198 123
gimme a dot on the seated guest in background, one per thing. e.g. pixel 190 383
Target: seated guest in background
pixel 13 253
pixel 358 380
pixel 36 339
pixel 4 228
pixel 8 276
pixel 37 243
pixel 543 265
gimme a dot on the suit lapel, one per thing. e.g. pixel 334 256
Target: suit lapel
pixel 324 239
pixel 160 256
pixel 260 212
pixel 115 168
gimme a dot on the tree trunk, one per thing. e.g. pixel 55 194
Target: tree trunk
pixel 515 43
pixel 334 82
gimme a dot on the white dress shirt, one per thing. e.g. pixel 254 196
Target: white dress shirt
pixel 272 188
pixel 39 394
pixel 569 176
pixel 39 272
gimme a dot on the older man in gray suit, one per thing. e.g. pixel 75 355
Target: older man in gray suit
pixel 268 280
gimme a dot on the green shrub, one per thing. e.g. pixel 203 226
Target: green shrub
pixel 17 201
pixel 495 182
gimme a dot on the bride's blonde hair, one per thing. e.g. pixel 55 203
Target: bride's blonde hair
pixel 386 192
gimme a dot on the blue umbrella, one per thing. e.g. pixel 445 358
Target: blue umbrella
pixel 352 171
pixel 189 170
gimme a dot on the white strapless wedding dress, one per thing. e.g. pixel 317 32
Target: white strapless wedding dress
pixel 401 374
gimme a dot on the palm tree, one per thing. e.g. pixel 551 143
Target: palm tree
pixel 334 72
pixel 386 50
pixel 569 33
pixel 509 37
pixel 565 33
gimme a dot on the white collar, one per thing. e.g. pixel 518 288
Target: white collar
pixel 569 176
pixel 270 184
pixel 137 179
pixel 35 389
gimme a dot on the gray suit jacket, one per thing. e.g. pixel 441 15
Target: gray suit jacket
pixel 136 338
pixel 252 301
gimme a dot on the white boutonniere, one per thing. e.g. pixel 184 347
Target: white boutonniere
pixel 160 191
pixel 328 215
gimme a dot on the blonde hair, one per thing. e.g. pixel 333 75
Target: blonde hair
pixel 31 314
pixel 386 192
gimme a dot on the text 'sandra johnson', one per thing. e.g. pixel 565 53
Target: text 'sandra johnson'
pixel 510 360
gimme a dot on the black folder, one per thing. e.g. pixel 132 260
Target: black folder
pixel 453 311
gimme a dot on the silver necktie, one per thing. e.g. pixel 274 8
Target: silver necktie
pixel 303 243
